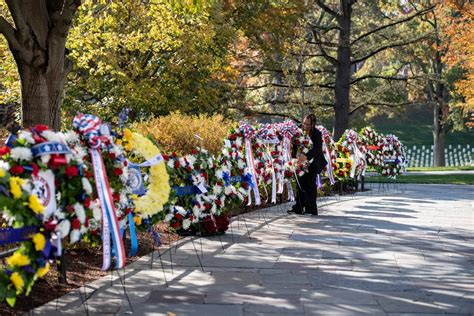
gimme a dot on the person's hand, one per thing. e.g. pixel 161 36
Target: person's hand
pixel 302 159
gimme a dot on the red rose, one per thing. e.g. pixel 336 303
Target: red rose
pixel 176 164
pixel 71 171
pixel 17 170
pixel 125 163
pixel 191 217
pixel 189 168
pixel 41 128
pixel 112 156
pixel 179 216
pixel 218 202
pixel 87 222
pixel 176 225
pixel 88 174
pixel 4 150
pixel 118 172
pixel 194 152
pixel 70 209
pixel 116 197
pixel 219 183
pixel 166 157
pixel 87 202
pixel 232 137
pixel 207 206
pixel 50 226
pixel 174 155
pixel 76 224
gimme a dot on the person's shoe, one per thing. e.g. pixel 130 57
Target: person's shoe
pixel 293 211
pixel 314 213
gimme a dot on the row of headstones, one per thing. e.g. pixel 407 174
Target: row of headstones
pixel 455 155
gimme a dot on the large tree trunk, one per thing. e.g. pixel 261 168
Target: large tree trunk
pixel 439 134
pixel 41 97
pixel 37 41
pixel 343 72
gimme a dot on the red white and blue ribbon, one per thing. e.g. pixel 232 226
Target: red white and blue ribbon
pixel 89 126
pixel 327 154
pixel 249 133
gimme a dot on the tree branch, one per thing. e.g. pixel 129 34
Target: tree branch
pixel 332 60
pixel 9 32
pixel 385 78
pixel 408 18
pixel 327 9
pixel 380 49
pixel 15 10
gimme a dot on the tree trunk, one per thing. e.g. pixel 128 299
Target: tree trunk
pixel 343 73
pixel 439 134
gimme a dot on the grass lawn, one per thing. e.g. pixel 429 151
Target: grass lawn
pixel 428 179
pixel 440 168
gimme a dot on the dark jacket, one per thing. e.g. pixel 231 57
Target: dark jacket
pixel 315 153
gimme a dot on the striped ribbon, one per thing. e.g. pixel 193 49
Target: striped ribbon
pixel 329 166
pixel 88 125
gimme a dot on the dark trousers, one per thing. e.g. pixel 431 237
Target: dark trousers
pixel 306 194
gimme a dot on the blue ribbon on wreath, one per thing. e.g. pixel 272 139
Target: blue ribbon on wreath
pixel 14 235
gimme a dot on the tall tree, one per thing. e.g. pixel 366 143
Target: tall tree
pixel 36 32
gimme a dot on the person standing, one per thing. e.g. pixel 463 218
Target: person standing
pixel 306 184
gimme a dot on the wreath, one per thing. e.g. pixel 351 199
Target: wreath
pixel 71 217
pixel 158 187
pixel 393 157
pixel 373 142
pixel 23 212
pixel 329 152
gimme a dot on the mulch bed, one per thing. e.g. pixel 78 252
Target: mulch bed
pixel 82 266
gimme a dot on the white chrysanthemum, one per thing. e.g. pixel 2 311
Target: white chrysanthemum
pixel 123 198
pixel 238 141
pixel 186 224
pixel 4 165
pixel 182 162
pixel 63 228
pixel 74 236
pixel 180 210
pixel 21 154
pixel 71 137
pixel 97 213
pixel 27 136
pixel 229 190
pixel 86 185
pixel 191 159
pixel 80 152
pixel 196 211
pixel 213 209
pixel 50 136
pixel 225 152
pixel 123 222
pixel 170 163
pixel 210 162
pixel 217 189
pixel 243 192
pixel 241 164
pixel 84 229
pixel 169 217
pixel 219 173
pixel 80 213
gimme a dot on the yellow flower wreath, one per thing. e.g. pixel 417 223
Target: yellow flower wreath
pixel 158 188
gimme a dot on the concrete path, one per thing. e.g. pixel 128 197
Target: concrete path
pixel 442 173
pixel 398 250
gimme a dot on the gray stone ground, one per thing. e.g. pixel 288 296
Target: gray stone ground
pixel 395 250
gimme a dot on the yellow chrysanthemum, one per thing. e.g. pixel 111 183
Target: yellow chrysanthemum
pixel 35 204
pixel 15 187
pixel 18 259
pixel 158 189
pixel 17 281
pixel 2 173
pixel 137 220
pixel 42 271
pixel 39 240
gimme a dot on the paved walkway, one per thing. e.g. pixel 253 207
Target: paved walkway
pixel 443 173
pixel 384 253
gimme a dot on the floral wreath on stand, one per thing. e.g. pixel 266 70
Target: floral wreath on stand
pixel 343 165
pixel 233 167
pixel 393 157
pixel 44 157
pixel 198 194
pixel 373 142
pixel 150 204
pixel 350 140
pixel 23 212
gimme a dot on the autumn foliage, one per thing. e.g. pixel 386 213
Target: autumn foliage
pixel 179 132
